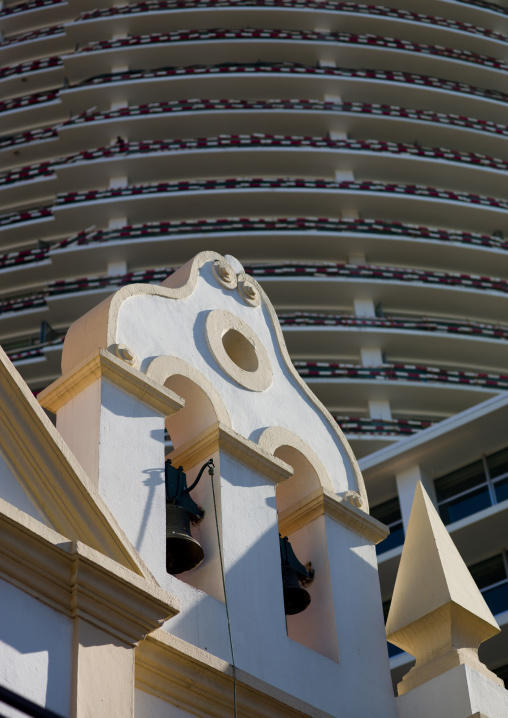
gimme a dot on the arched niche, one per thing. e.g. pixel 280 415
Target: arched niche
pixel 203 403
pixel 315 627
pixel 203 409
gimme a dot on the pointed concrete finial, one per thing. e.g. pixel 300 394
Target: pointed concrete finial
pixel 437 612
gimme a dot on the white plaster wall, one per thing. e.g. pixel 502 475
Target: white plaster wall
pixel 148 706
pixel 131 472
pixel 13 492
pixel 35 650
pixel 155 326
pixel 254 591
pixel 360 625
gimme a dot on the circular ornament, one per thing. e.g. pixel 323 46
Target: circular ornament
pixel 238 350
pixel 224 274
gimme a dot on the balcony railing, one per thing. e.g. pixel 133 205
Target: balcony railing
pixel 363 108
pixel 286 224
pixel 24 68
pixel 245 142
pixel 241 184
pixel 321 6
pixel 401 372
pixel 336 38
pixel 286 68
pixel 303 320
pixel 37 98
pixel 298 271
pixel 381 427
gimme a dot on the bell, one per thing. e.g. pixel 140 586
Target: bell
pixel 183 552
pixel 296 598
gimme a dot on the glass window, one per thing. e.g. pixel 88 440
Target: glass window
pixel 498 464
pixel 465 505
pixel 501 489
pixel 463 492
pixel 490 576
pixel 389 514
pixel 459 481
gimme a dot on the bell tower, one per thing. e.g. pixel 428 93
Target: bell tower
pixel 255 517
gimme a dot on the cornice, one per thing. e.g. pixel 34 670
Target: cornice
pixel 104 365
pixel 221 438
pixel 78 581
pixel 202 684
pixel 322 502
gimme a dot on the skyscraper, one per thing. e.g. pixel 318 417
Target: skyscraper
pixel 353 157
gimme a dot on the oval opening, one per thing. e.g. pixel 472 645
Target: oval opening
pixel 240 350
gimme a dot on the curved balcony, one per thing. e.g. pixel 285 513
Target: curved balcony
pixel 34 45
pixel 287 81
pixel 441 326
pixel 21 18
pixel 351 277
pixel 214 198
pixel 368 117
pixel 36 111
pixel 412 390
pixel 402 372
pixel 223 46
pixel 269 196
pixel 450 343
pixel 328 9
pixel 254 155
pixel 300 238
pixel 383 427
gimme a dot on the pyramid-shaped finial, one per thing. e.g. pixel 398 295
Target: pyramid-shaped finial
pixel 437 612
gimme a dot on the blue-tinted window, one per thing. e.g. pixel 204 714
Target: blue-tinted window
pixel 463 492
pixel 473 487
pixel 389 514
pixel 491 578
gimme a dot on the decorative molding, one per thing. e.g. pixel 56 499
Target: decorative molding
pixel 104 365
pixel 245 345
pixel 221 438
pixel 125 353
pixel 78 581
pixel 248 290
pixel 324 503
pixel 274 437
pixel 224 274
pixel 163 368
pixel 202 684
pixel 52 477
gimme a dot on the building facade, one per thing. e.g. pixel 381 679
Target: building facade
pixel 353 157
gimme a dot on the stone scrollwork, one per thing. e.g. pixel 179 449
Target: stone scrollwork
pixel 248 291
pixel 224 274
pixel 354 498
pixel 125 353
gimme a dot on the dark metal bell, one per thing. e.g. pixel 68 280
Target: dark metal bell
pixel 294 573
pixel 296 598
pixel 183 552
